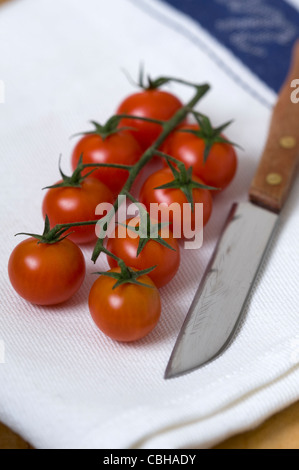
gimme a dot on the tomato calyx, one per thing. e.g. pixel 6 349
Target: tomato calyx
pixel 76 179
pixel 150 84
pixel 146 83
pixel 127 275
pixel 49 235
pixel 73 181
pixel 111 126
pixel 153 84
pixel 182 178
pixel 147 229
pixel 209 134
pixel 105 130
pixel 57 233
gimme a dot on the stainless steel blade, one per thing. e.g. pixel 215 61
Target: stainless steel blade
pixel 220 299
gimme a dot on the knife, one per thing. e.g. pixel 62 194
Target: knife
pixel 220 300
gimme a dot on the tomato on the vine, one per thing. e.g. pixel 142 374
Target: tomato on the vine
pixel 118 147
pixel 128 312
pixel 149 103
pixel 67 204
pixel 167 196
pixel 46 273
pixel 167 260
pixel 221 164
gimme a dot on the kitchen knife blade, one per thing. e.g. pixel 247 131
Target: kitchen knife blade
pixel 220 300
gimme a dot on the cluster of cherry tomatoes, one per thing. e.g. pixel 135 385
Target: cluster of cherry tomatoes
pixel 124 302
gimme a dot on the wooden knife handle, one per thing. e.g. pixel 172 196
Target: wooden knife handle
pixel 273 178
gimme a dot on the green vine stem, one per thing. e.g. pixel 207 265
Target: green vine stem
pixel 112 125
pixel 57 233
pixel 167 128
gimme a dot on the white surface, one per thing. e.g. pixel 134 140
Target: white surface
pixel 63 383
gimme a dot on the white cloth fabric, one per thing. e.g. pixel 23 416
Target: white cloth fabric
pixel 63 383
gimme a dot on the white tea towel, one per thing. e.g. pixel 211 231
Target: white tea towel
pixel 62 382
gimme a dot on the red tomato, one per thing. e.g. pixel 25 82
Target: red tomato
pixel 149 195
pixel 46 274
pixel 154 104
pixel 68 204
pixel 120 147
pixel 166 260
pixel 221 165
pixel 126 313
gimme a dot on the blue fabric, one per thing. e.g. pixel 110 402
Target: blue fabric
pixel 259 32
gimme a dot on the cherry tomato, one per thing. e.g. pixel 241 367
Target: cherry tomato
pixel 126 313
pixel 167 261
pixel 120 147
pixel 220 166
pixel 68 204
pixel 177 217
pixel 46 274
pixel 154 104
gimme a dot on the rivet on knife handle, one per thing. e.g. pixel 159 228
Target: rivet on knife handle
pixel 273 179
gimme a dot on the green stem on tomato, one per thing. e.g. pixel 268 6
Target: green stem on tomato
pixel 140 118
pixel 167 128
pixel 54 235
pixel 106 165
pixel 57 233
pixel 112 255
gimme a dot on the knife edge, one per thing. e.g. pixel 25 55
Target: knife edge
pixel 213 294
